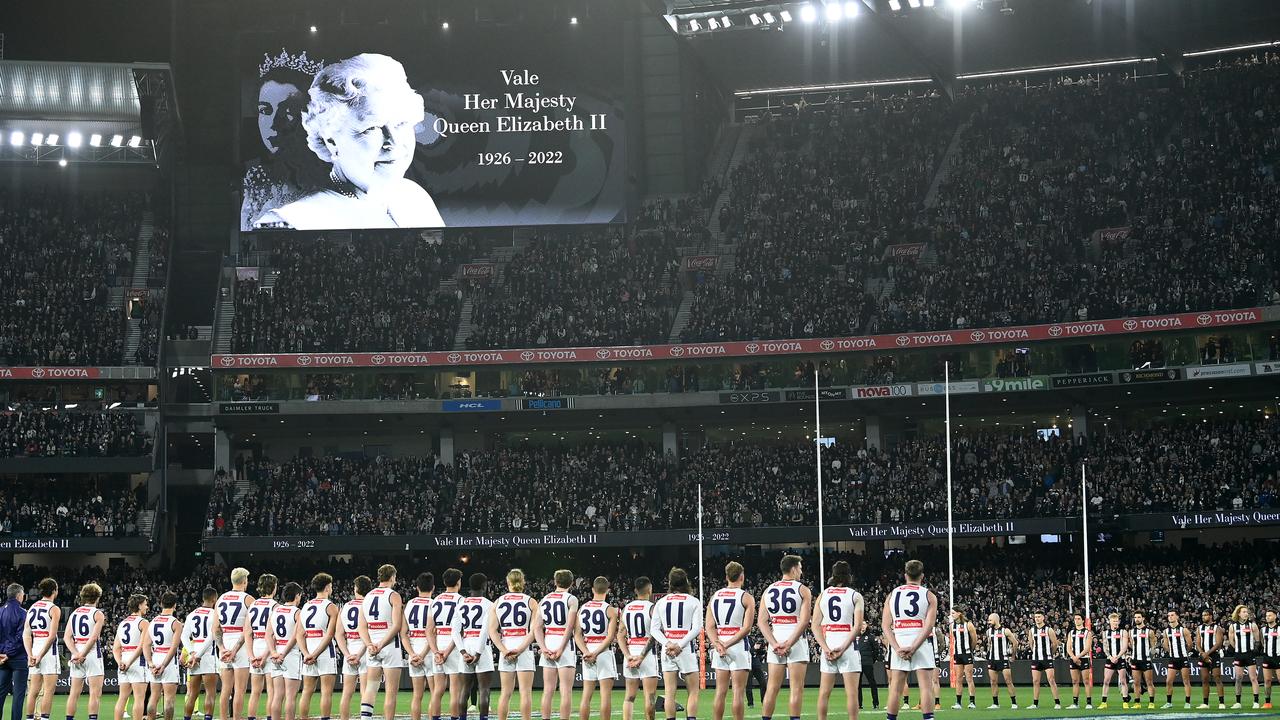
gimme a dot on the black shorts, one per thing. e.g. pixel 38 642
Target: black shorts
pixel 1211 663
pixel 1083 665
pixel 1120 664
pixel 963 659
pixel 1179 663
pixel 1244 659
pixel 1140 665
pixel 997 665
pixel 1038 665
pixel 1270 662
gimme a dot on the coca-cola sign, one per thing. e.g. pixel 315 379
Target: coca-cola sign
pixel 705 263
pixel 477 271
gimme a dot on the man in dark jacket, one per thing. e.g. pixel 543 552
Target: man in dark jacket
pixel 13 655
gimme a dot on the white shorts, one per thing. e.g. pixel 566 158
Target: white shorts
pixel 799 654
pixel 604 668
pixel 684 663
pixel 137 673
pixel 50 664
pixel 483 663
pixel 326 664
pixel 355 670
pixel 523 662
pixel 648 668
pixel 736 657
pixel 922 660
pixel 240 661
pixel 453 663
pixel 207 665
pixel 849 662
pixel 260 647
pixel 290 668
pixel 168 676
pixel 568 658
pixel 426 669
pixel 391 657
pixel 91 667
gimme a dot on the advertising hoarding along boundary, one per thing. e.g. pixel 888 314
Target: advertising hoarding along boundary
pixel 696 352
pixel 734 536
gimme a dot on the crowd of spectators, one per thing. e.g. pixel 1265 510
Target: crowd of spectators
pixel 372 292
pixel 581 287
pixel 997 473
pixel 66 506
pixel 62 255
pixel 71 433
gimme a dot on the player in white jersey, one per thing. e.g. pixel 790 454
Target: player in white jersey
pixel 231 612
pixel 351 645
pixel 837 624
pixel 907 620
pixel 597 627
pixel 381 616
pixel 260 644
pixel 554 628
pixel 443 625
pixel 163 658
pixel 84 630
pixel 785 608
pixel 130 650
pixel 198 657
pixel 511 630
pixel 677 620
pixel 319 653
pixel 729 619
pixel 40 638
pixel 286 658
pixel 639 660
pixel 474 644
pixel 413 634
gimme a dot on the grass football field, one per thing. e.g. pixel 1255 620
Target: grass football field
pixel 810 707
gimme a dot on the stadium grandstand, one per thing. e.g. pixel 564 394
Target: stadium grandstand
pixel 691 357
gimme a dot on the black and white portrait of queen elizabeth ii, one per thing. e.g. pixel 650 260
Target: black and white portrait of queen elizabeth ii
pixel 361 119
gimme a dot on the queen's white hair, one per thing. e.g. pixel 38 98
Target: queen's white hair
pixel 341 94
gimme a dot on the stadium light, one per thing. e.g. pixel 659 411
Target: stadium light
pixel 62 162
pixel 915 4
pixel 16 138
pixel 754 18
pixel 958 5
pixel 313 28
pixel 785 15
pixel 117 140
pixel 694 26
pixel 135 141
pixel 95 140
pixel 726 21
pixel 573 20
pixel 851 9
pixel 36 139
pixel 834 12
pixel 928 3
pixel 768 17
pixel 808 14
pixel 75 139
pixel 895 5
pixel 51 139
pixel 444 25
pixel 713 24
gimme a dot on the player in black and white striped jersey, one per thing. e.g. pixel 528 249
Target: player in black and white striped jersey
pixel 1115 648
pixel 964 638
pixel 1142 644
pixel 1242 636
pixel 1177 645
pixel 1270 631
pixel 1002 647
pixel 1080 656
pixel 1209 642
pixel 1044 645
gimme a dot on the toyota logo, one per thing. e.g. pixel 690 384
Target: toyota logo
pixel 378 359
pixel 304 360
pixel 903 341
pixel 977 335
pixel 227 361
pixel 1126 376
pixel 1130 324
pixel 1055 330
pixel 677 351
pixel 454 358
pixel 37 372
pixel 1204 318
pixel 602 353
pixel 752 348
pixel 826 344
pixel 527 355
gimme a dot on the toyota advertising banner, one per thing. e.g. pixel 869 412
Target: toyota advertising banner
pixel 744 349
pixel 50 373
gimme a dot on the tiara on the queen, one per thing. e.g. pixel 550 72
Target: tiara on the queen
pixel 286 61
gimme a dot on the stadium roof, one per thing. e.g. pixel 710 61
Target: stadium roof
pixel 869 40
pixel 77 111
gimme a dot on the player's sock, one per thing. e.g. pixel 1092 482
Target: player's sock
pixel 1237 700
pixel 208 716
pixel 995 700
pixel 366 710
pixel 890 716
pixel 1075 700
pixel 73 717
pixel 1255 702
pixel 926 716
pixel 1013 699
pixel 1168 697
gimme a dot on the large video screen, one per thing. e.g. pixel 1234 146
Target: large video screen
pixel 458 127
